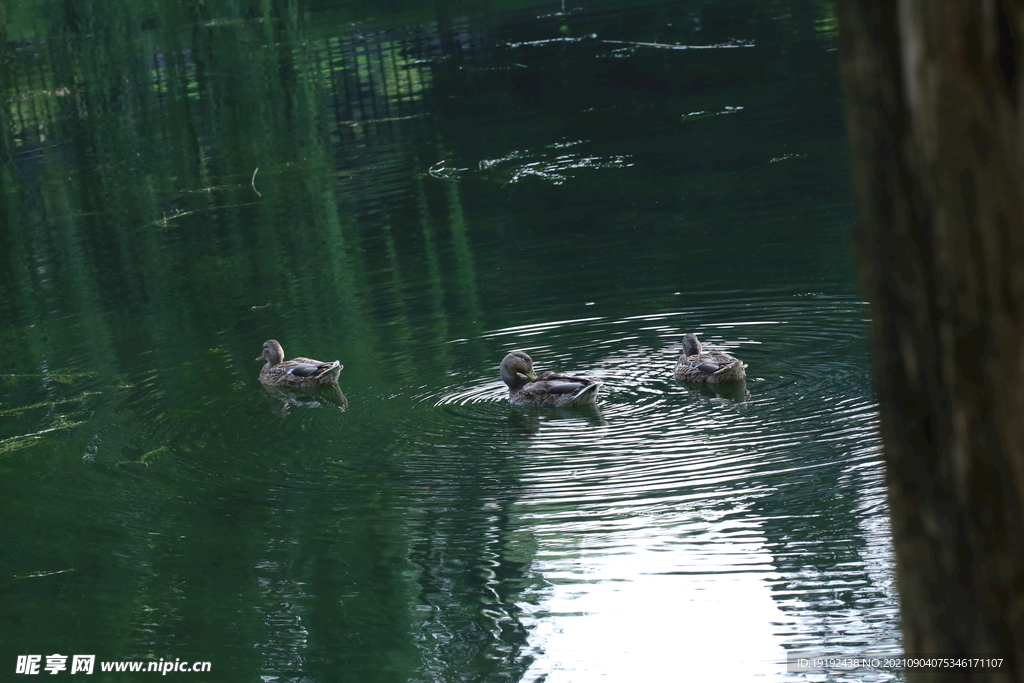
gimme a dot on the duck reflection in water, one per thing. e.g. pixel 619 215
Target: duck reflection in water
pixel 735 393
pixel 283 399
pixel 531 422
pixel 546 390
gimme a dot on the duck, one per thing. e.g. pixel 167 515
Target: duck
pixel 297 372
pixel 713 367
pixel 546 390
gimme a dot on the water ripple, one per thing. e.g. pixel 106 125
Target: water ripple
pixel 654 442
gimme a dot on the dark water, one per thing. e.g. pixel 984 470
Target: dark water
pixel 415 192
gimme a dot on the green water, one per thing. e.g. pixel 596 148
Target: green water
pixel 415 192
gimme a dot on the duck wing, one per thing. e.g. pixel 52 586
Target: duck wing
pixel 307 367
pixel 550 383
pixel 304 369
pixel 710 363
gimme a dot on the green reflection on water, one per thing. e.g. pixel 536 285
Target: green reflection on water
pixel 434 188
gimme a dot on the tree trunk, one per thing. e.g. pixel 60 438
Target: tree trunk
pixel 934 110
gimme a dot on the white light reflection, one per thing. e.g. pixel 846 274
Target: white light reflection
pixel 659 608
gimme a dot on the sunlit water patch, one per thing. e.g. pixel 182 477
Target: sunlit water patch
pixel 668 509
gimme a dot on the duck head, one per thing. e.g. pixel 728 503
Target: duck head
pixel 691 345
pixel 272 352
pixel 517 369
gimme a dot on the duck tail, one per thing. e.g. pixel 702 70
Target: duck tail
pixel 732 372
pixel 587 394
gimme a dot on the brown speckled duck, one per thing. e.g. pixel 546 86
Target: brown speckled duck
pixel 546 390
pixel 697 365
pixel 297 372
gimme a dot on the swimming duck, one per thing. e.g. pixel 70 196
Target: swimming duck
pixel 696 365
pixel 297 372
pixel 546 390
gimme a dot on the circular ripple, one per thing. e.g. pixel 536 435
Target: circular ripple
pixel 650 440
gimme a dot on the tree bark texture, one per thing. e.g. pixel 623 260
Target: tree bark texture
pixel 934 110
pixel 934 114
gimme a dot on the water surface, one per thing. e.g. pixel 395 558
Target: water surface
pixel 415 193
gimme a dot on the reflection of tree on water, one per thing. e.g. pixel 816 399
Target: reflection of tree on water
pixel 467 616
pixel 473 560
pixel 282 399
pixel 834 553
